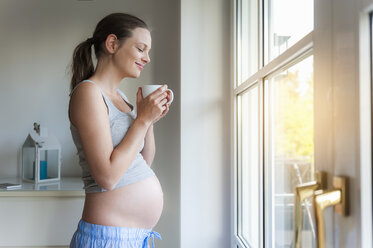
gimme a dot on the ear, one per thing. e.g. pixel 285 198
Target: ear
pixel 111 43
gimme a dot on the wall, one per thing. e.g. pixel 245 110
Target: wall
pixel 337 127
pixel 205 123
pixel 36 44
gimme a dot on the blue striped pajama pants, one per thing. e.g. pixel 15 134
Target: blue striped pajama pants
pixel 97 236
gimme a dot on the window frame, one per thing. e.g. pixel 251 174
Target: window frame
pixel 366 121
pixel 299 50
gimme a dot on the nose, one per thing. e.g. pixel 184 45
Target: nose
pixel 146 58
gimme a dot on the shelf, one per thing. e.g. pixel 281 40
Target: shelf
pixel 66 187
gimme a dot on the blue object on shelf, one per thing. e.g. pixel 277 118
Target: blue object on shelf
pixel 43 169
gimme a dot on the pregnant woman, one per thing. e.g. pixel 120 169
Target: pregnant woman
pixel 116 147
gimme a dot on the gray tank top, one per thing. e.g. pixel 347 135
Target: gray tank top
pixel 120 122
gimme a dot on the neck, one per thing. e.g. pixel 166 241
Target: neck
pixel 106 76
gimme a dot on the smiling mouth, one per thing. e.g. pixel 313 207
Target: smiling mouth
pixel 139 65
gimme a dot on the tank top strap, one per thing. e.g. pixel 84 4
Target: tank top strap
pixel 86 80
pixel 107 101
pixel 124 97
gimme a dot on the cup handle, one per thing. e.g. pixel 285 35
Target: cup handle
pixel 172 96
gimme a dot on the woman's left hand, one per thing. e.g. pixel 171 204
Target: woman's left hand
pixel 167 105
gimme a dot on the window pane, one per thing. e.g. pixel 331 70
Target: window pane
pixel 288 22
pixel 247 55
pixel 249 166
pixel 289 154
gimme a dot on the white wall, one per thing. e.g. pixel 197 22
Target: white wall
pixel 337 128
pixel 205 123
pixel 36 43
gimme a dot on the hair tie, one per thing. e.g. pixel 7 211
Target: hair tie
pixel 89 41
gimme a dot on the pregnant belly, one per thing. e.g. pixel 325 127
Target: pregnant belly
pixel 138 205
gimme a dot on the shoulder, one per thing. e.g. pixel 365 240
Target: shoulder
pixel 85 89
pixel 86 99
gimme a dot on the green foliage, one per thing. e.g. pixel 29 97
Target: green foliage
pixel 293 116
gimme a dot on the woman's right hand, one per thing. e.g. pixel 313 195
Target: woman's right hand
pixel 152 106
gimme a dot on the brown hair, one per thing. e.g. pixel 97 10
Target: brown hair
pixel 120 24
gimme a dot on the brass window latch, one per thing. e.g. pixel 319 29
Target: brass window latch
pixel 322 199
pixel 302 193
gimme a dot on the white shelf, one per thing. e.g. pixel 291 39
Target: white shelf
pixel 66 187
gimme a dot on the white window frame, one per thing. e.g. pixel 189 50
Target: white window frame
pixel 365 76
pixel 299 49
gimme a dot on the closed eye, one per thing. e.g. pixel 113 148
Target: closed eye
pixel 140 49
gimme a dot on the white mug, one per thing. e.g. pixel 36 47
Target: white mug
pixel 148 89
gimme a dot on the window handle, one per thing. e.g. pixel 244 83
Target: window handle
pixel 302 192
pixel 324 199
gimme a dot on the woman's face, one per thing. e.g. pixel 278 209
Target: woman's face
pixel 133 55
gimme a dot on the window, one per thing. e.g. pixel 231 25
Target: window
pixel 247 46
pixel 289 149
pixel 248 175
pixel 273 104
pixel 287 22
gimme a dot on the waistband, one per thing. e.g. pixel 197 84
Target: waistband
pixel 118 233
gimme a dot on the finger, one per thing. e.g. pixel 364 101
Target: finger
pixel 155 94
pixel 162 99
pixel 162 107
pixel 164 113
pixel 166 110
pixel 139 95
pixel 159 91
pixel 158 99
pixel 163 102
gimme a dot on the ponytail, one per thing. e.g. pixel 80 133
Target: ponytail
pixel 82 64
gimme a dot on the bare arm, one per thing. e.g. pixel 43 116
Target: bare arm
pixel 88 113
pixel 148 151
